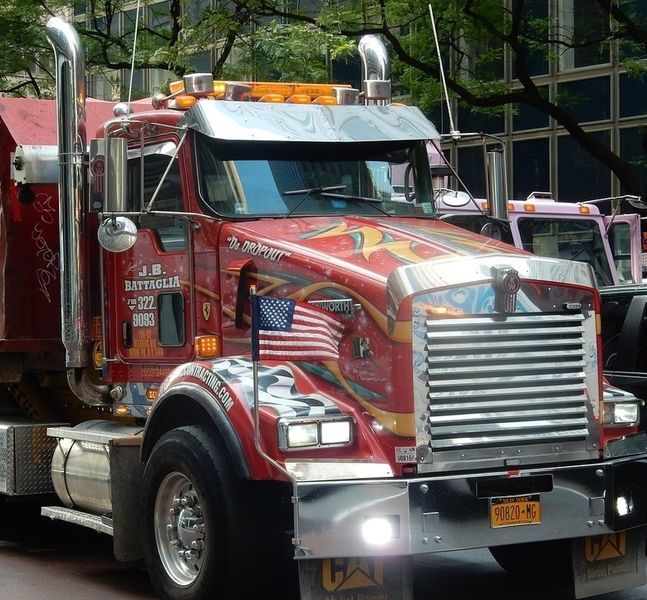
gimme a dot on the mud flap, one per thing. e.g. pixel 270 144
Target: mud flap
pixel 375 578
pixel 608 563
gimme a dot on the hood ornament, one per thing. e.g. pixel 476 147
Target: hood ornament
pixel 506 285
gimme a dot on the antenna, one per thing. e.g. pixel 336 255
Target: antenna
pixel 132 63
pixel 454 134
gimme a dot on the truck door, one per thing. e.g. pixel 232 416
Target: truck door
pixel 626 245
pixel 148 288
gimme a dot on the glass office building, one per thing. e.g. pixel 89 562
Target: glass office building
pixel 589 82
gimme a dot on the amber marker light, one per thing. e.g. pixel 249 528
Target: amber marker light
pixel 152 393
pixel 175 87
pixel 121 410
pixel 442 311
pixel 207 346
pixel 272 98
pixel 325 100
pixel 219 88
pixel 585 210
pixel 529 207
pixel 185 102
pixel 299 99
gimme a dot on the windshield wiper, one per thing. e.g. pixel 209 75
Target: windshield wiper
pixel 308 191
pixel 372 202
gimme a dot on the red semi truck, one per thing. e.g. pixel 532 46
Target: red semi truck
pixel 456 400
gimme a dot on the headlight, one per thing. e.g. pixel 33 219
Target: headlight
pixel 315 433
pixel 621 413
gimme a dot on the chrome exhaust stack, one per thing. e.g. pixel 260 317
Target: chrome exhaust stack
pixel 72 143
pixel 376 71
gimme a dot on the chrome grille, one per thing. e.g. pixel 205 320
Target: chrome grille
pixel 502 381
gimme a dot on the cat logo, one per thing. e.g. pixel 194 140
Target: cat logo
pixel 206 310
pixel 348 573
pixel 604 547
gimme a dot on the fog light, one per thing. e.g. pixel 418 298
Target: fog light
pixel 622 506
pixel 377 531
pixel 335 432
pixel 625 413
pixel 302 434
pixel 324 432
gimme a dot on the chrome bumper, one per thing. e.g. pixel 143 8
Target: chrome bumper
pixel 452 512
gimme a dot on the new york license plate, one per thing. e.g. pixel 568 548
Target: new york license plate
pixel 515 510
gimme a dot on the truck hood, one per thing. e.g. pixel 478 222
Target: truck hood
pixel 364 247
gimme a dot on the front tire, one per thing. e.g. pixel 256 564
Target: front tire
pixel 193 531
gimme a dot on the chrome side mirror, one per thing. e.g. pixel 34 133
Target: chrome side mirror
pixel 117 234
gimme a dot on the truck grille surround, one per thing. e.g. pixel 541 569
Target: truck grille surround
pixel 505 390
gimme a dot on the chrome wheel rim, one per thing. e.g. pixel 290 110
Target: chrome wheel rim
pixel 179 528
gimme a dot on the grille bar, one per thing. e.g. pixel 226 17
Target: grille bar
pixel 535 392
pixel 496 382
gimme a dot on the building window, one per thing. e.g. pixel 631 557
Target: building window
pixel 629 47
pixel 472 171
pixel 582 25
pixel 633 96
pixel 581 176
pixel 633 148
pixel 537 60
pixel 201 63
pixel 529 117
pixel 531 167
pixel 586 100
pixel 474 121
pixel 193 10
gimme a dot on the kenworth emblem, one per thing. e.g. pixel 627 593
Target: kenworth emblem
pixel 506 286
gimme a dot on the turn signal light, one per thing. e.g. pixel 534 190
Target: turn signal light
pixel 207 346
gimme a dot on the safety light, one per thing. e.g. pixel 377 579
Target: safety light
pixel 152 393
pixel 379 530
pixel 272 98
pixel 529 207
pixel 207 346
pixel 185 102
pixel 621 413
pixel 315 433
pixel 175 87
pixel 585 210
pixel 299 99
pixel 623 508
pixel 325 100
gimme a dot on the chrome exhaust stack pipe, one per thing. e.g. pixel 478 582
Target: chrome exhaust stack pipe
pixel 376 71
pixel 70 108
pixel 72 143
pixel 497 193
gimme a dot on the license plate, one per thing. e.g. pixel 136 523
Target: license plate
pixel 515 510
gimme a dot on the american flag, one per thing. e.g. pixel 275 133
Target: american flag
pixel 286 329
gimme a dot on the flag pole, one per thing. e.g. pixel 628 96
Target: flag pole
pixel 255 326
pixel 255 401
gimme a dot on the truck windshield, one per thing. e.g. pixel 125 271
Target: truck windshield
pixel 279 179
pixel 579 240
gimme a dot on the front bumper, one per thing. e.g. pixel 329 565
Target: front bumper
pixel 452 512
